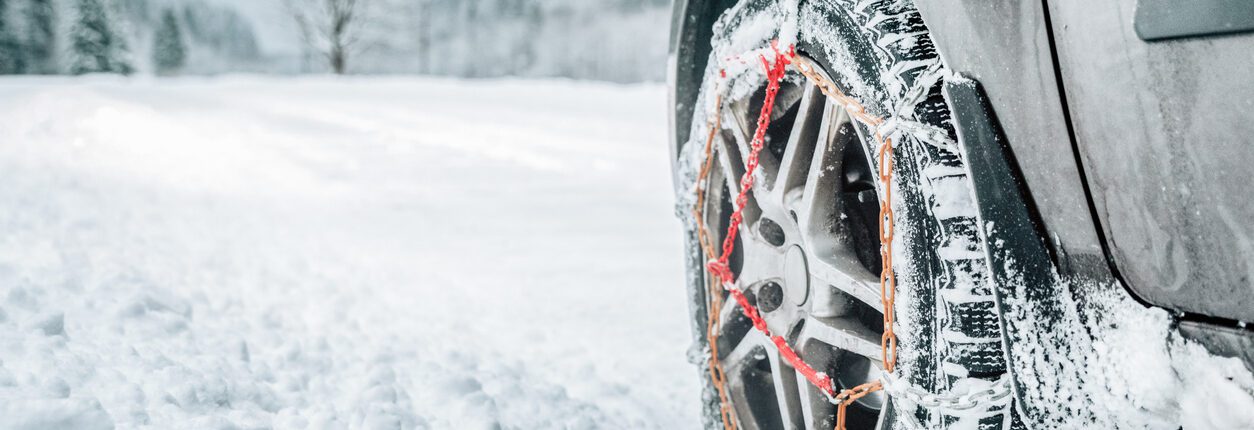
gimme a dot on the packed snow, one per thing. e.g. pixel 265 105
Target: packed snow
pixel 381 253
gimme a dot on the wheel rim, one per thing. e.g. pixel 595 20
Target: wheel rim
pixel 807 257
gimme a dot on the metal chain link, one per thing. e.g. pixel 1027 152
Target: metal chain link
pixel 997 394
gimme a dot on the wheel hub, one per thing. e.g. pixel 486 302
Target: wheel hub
pixel 796 276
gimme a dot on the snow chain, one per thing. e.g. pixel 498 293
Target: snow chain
pixel 884 132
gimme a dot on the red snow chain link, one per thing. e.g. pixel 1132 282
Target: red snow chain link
pixel 721 270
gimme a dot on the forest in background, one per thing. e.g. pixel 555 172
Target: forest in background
pixel 611 40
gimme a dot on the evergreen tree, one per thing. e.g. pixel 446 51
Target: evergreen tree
pixel 41 37
pixel 169 53
pixel 12 59
pixel 94 44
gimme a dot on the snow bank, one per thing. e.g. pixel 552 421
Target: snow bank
pixel 1117 364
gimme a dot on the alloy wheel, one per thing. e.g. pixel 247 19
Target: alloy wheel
pixel 808 258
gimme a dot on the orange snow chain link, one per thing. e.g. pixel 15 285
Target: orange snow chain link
pixel 714 300
pixel 721 271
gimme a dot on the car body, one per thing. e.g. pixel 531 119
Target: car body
pixel 1126 126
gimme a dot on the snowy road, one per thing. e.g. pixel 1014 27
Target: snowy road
pixel 321 253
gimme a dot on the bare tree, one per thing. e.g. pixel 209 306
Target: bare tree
pixel 332 27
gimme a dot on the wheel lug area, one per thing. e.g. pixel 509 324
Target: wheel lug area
pixel 770 296
pixel 771 232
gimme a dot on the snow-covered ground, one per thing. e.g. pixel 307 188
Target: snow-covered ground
pixel 338 253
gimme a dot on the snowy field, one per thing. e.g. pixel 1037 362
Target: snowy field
pixel 338 253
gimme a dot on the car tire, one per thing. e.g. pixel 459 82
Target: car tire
pixel 948 328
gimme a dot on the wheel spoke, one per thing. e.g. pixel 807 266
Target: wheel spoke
pixel 738 366
pixel 842 333
pixel 848 276
pixel 743 352
pixel 714 190
pixel 729 312
pixel 816 203
pixel 786 391
pixel 815 408
pixel 744 127
pixel 731 163
pixel 870 147
pixel 795 164
pixel 729 156
pixel 740 128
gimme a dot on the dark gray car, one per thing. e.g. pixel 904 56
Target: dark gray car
pixel 1102 149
